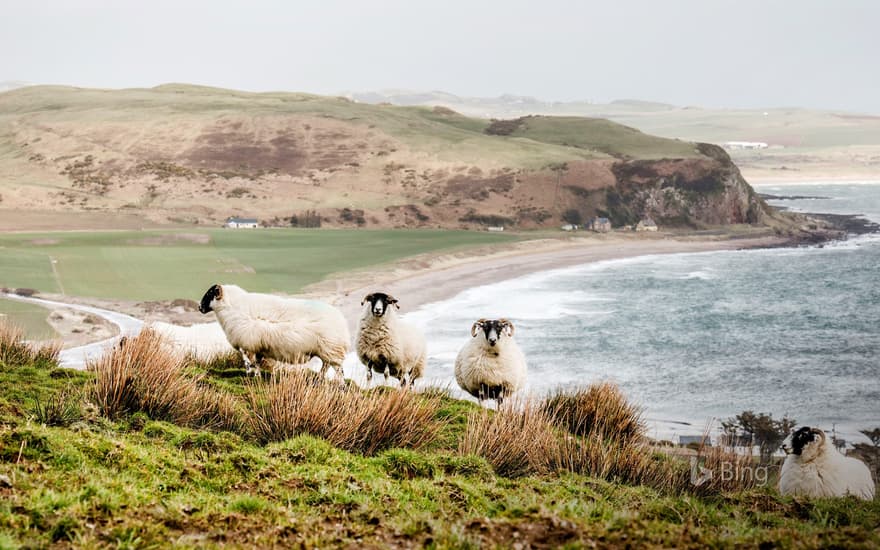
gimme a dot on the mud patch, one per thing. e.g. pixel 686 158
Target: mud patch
pixel 44 242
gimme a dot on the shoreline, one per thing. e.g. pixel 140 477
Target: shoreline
pixel 430 280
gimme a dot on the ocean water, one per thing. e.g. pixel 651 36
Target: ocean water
pixel 697 337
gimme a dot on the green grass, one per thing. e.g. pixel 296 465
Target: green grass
pixel 30 317
pixel 139 483
pixel 602 135
pixel 150 265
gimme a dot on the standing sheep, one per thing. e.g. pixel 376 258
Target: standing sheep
pixel 491 365
pixel 283 329
pixel 387 344
pixel 814 468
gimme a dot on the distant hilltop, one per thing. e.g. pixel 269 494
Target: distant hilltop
pixel 7 85
pixel 198 155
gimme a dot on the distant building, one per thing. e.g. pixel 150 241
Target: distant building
pixel 601 225
pixel 569 227
pixel 647 224
pixel 241 223
pixel 745 145
pixel 495 228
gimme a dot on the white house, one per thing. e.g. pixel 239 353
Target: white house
pixel 241 223
pixel 745 145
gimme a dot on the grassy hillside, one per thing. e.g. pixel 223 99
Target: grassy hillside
pixel 187 154
pixel 142 470
pixel 805 143
pixel 153 265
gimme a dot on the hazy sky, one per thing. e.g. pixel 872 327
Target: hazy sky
pixel 742 53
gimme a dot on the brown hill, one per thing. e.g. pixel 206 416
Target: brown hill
pixel 187 154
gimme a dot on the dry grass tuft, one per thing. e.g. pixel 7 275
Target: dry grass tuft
pixel 517 440
pixel 299 402
pixel 141 374
pixel 633 463
pixel 14 350
pixel 599 410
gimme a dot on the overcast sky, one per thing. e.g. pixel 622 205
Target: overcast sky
pixel 743 53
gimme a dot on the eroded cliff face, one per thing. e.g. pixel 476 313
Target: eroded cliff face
pixel 684 192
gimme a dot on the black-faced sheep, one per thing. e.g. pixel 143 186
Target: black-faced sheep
pixel 387 344
pixel 491 365
pixel 814 468
pixel 284 329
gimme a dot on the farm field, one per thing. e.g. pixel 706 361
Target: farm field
pixel 157 265
pixel 31 318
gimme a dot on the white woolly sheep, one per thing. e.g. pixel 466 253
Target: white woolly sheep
pixel 814 468
pixel 201 341
pixel 387 344
pixel 284 329
pixel 491 365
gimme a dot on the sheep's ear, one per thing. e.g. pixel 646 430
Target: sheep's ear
pixel 393 300
pixel 820 433
pixel 218 292
pixel 367 298
pixel 476 328
pixel 508 327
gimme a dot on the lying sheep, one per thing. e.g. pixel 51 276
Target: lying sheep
pixel 814 468
pixel 284 329
pixel 202 342
pixel 387 344
pixel 491 365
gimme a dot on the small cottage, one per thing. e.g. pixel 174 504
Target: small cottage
pixel 647 224
pixel 241 223
pixel 569 227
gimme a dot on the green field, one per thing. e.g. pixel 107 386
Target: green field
pixel 156 265
pixel 31 318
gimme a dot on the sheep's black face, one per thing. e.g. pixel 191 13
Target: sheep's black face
pixel 799 439
pixel 214 293
pixel 492 329
pixel 380 302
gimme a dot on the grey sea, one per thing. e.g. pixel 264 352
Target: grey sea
pixel 697 338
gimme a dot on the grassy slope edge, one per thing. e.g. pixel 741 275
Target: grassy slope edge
pixel 137 482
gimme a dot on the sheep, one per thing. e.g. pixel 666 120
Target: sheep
pixel 387 344
pixel 202 341
pixel 814 468
pixel 491 366
pixel 284 329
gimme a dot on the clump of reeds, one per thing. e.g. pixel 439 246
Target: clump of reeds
pixel 517 440
pixel 141 375
pixel 300 402
pixel 15 351
pixel 598 410
pixel 60 409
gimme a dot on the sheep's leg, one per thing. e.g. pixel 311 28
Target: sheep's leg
pixel 248 366
pixel 258 363
pixel 369 372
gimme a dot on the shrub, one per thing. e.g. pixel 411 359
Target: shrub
pixel 517 440
pixel 299 402
pixel 615 460
pixel 600 409
pixel 140 374
pixel 15 351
